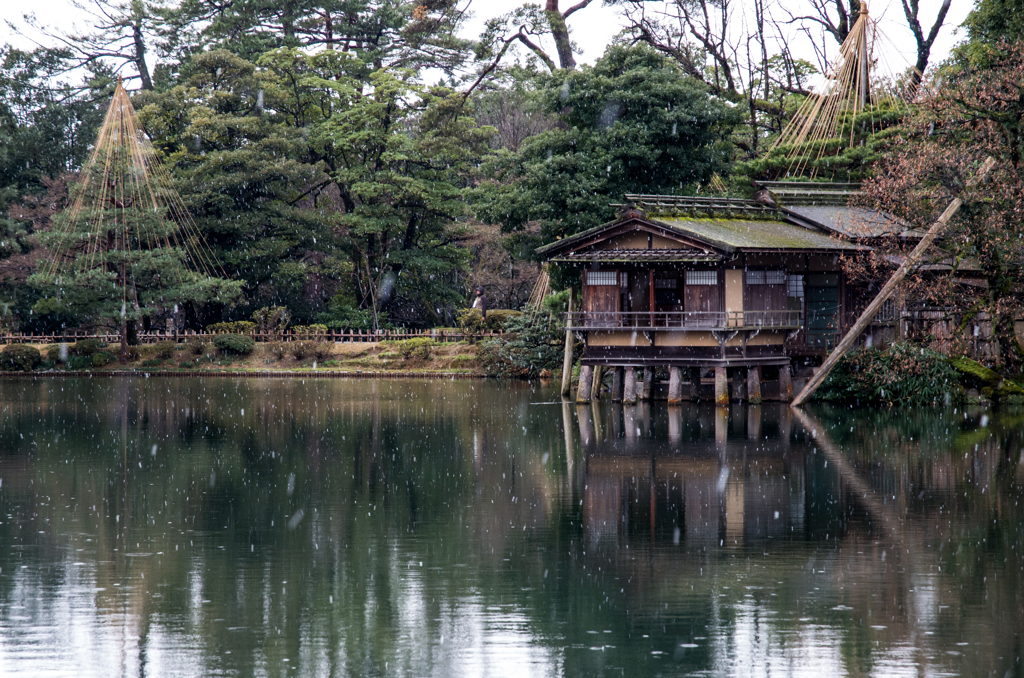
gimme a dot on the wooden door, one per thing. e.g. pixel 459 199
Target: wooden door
pixel 601 298
pixel 764 292
pixel 702 296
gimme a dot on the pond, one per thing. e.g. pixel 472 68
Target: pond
pixel 251 527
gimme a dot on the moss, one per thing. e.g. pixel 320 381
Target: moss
pixel 976 371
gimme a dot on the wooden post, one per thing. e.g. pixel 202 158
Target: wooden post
pixel 785 384
pixel 629 389
pixel 617 385
pixel 754 384
pixel 595 393
pixel 875 306
pixel 647 392
pixel 721 387
pixel 567 358
pixel 583 390
pixel 675 385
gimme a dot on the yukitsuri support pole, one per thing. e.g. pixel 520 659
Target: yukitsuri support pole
pixel 567 359
pixel 875 306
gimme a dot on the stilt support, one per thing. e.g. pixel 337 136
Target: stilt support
pixel 721 387
pixel 754 384
pixel 647 386
pixel 675 385
pixel 616 384
pixel 629 388
pixel 585 385
pixel 595 392
pixel 785 384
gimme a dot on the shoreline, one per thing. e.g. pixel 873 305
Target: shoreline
pixel 262 374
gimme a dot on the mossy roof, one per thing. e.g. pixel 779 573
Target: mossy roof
pixel 734 235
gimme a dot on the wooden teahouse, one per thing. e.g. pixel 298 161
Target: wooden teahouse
pixel 738 288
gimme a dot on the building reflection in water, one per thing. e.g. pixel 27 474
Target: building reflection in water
pixel 719 476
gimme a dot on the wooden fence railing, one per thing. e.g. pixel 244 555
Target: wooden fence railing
pixel 344 336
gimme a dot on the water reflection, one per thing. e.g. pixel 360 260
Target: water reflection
pixel 187 527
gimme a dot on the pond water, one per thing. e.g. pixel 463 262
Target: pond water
pixel 186 527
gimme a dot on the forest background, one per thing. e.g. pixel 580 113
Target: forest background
pixel 362 163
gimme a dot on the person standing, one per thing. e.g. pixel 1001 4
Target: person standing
pixel 481 302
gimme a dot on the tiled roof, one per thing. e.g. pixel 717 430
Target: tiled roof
pixel 739 234
pixel 640 255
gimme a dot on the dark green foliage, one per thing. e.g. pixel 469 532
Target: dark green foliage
pixel 234 344
pixel 156 362
pixel 164 350
pixel 901 374
pixel 237 327
pixel 53 353
pixel 632 123
pixel 411 349
pixel 19 358
pixel 531 343
pixel 86 347
pixel 79 362
pixel 102 358
pixel 471 320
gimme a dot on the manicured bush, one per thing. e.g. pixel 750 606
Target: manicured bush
pixel 164 349
pixel 900 374
pixel 471 320
pixel 57 353
pixel 79 362
pixel 301 350
pixel 19 358
pixel 234 344
pixel 101 358
pixel 237 327
pixel 153 363
pixel 309 331
pixel 277 349
pixel 410 349
pixel 86 347
pixel 196 346
pixel 322 350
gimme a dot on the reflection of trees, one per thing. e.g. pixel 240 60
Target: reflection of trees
pixel 419 509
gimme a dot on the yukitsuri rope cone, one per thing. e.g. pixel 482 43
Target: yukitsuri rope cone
pixel 850 89
pixel 127 246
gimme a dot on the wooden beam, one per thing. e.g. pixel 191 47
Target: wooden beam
pixel 567 358
pixel 911 262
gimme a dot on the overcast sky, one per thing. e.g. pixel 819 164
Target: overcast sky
pixel 594 27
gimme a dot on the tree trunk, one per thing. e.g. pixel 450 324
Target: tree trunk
pixel 560 32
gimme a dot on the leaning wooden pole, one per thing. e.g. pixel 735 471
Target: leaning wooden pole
pixel 567 359
pixel 908 265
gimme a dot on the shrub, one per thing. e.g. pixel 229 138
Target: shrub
pixel 899 374
pixel 322 350
pixel 277 349
pixel 86 347
pixel 186 364
pixel 301 349
pixel 196 346
pixel 411 348
pixel 164 349
pixel 272 319
pixel 20 357
pixel 528 346
pixel 330 363
pixel 234 344
pixel 237 327
pixel 471 320
pixel 57 353
pixel 152 363
pixel 79 362
pixel 101 358
pixel 309 331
